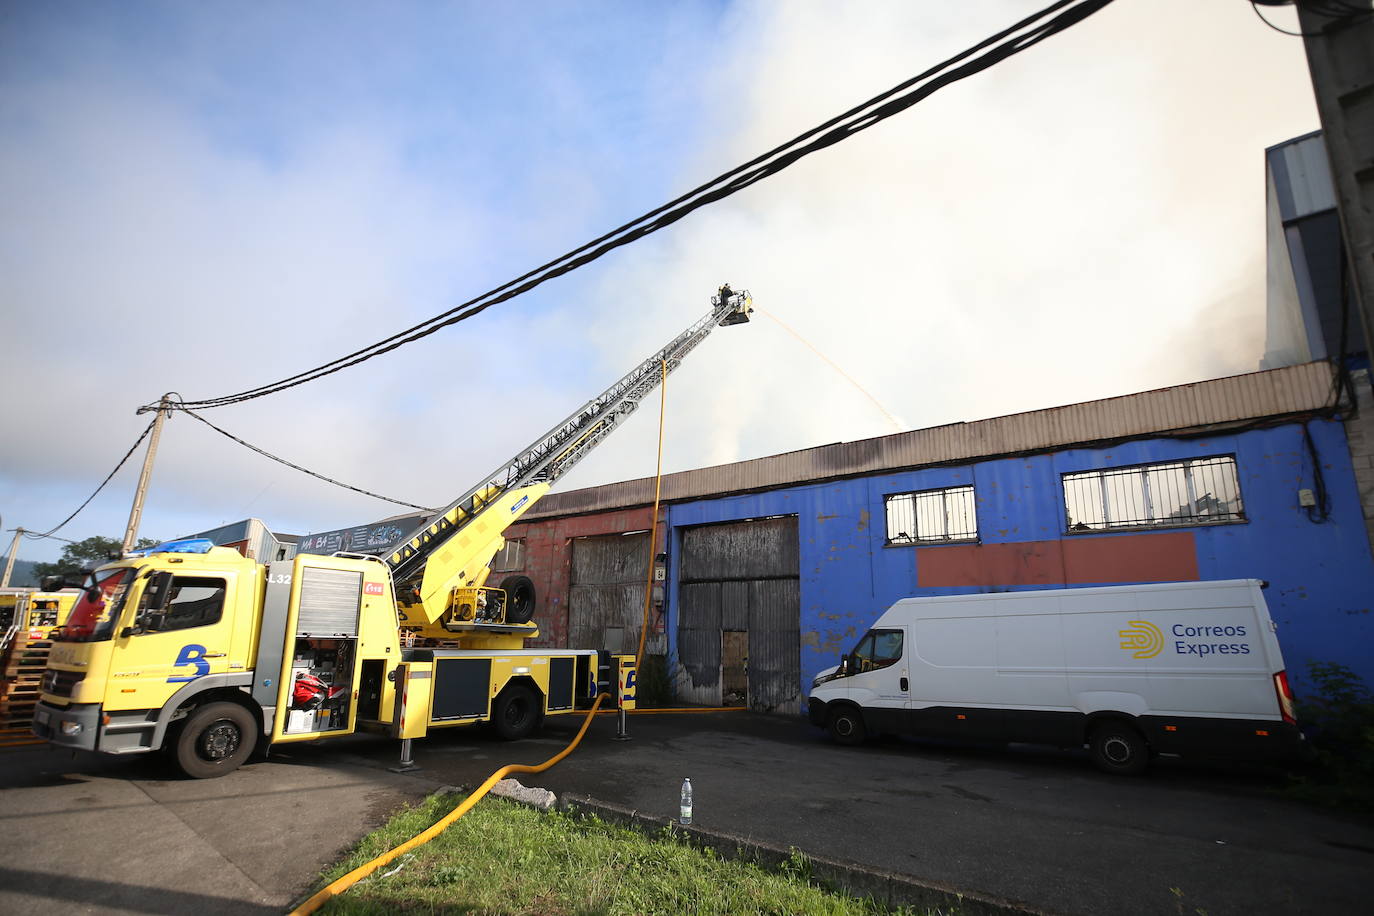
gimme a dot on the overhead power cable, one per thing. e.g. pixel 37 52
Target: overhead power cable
pixel 1021 36
pixel 297 467
pixel 1337 11
pixel 30 534
pixel 132 449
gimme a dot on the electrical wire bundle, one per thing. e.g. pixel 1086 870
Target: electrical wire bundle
pixel 1340 12
pixel 1019 37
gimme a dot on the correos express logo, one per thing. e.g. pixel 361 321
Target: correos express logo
pixel 1143 639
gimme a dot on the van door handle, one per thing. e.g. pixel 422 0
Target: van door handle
pixel 903 683
pixel 221 655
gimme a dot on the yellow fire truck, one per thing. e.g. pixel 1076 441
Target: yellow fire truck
pixel 27 621
pixel 32 609
pixel 202 652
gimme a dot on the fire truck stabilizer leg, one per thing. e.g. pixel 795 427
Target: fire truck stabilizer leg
pixel 407 764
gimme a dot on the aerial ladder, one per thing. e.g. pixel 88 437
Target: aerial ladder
pixel 209 654
pixel 439 570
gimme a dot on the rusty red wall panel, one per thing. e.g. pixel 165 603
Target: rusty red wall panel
pixel 1167 557
pixel 972 565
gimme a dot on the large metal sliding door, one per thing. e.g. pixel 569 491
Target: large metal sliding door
pixel 740 601
pixel 606 592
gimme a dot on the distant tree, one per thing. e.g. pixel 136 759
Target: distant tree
pixel 80 556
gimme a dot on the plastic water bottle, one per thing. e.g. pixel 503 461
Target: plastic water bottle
pixel 685 813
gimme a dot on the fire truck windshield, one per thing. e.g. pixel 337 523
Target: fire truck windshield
pixel 93 617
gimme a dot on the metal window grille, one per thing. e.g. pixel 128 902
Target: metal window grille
pixel 510 558
pixel 932 516
pixel 1200 492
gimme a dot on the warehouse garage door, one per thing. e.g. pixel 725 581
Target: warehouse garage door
pixel 740 610
pixel 606 593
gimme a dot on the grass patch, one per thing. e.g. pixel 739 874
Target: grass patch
pixel 505 858
pixel 654 682
pixel 1339 717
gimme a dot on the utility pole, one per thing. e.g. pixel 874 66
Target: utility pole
pixel 14 552
pixel 136 513
pixel 1339 39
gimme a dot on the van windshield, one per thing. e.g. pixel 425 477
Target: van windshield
pixel 93 616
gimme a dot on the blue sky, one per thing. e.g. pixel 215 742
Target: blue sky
pixel 205 197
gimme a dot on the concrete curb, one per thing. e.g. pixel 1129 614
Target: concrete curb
pixel 887 888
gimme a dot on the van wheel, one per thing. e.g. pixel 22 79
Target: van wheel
pixel 847 726
pixel 1116 747
pixel 516 713
pixel 215 740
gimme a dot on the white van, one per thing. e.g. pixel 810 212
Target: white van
pixel 1131 670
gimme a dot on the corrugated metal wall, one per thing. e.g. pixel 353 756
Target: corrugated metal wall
pixel 606 591
pixel 547 560
pixel 1320 572
pixel 741 577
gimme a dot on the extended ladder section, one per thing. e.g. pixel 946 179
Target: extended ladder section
pixel 555 453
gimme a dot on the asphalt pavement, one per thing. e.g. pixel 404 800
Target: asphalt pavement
pixel 1037 828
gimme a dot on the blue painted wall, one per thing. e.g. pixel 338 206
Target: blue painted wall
pixel 1321 576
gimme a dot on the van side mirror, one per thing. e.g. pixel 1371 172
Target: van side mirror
pixel 844 664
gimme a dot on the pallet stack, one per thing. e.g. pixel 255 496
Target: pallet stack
pixel 21 673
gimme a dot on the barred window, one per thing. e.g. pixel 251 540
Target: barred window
pixel 510 558
pixel 1200 492
pixel 932 516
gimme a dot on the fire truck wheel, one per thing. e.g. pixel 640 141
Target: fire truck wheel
pixel 215 740
pixel 519 598
pixel 516 713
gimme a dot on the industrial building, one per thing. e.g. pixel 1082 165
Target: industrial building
pixel 765 571
pixel 769 569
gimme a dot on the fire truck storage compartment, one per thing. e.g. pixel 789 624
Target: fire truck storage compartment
pixel 561 683
pixel 462 687
pixel 330 662
pixel 325 648
pixel 585 690
pixel 329 602
pixel 370 689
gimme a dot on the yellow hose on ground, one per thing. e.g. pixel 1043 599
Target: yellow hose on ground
pixel 362 871
pixel 665 710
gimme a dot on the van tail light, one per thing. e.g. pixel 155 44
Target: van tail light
pixel 1285 697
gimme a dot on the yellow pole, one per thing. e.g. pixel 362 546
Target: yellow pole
pixel 653 525
pixel 136 513
pixel 14 551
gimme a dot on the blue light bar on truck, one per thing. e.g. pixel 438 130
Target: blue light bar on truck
pixel 185 545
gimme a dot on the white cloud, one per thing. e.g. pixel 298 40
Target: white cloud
pixel 1084 220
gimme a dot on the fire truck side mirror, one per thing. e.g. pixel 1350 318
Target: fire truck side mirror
pixel 159 593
